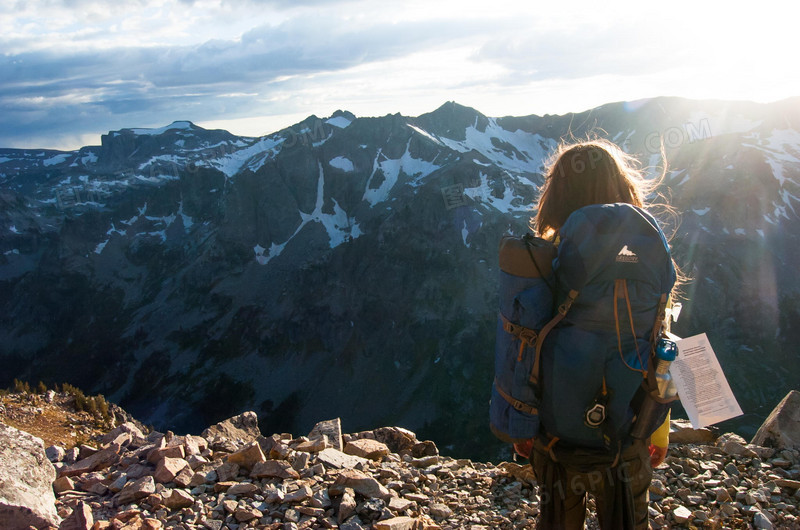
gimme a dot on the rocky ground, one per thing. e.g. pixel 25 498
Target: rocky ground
pixel 233 477
pixel 52 417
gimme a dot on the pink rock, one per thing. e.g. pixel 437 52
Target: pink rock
pixel 62 484
pixel 243 489
pixel 362 484
pixel 26 478
pixel 99 460
pixel 138 489
pixel 168 468
pixel 274 468
pixel 396 523
pixel 178 499
pixel 366 448
pixel 80 519
pixel 781 429
pixel 248 456
pixel 172 451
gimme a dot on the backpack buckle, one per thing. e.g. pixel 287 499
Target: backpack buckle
pixel 595 415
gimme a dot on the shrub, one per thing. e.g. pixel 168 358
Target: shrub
pixel 21 387
pixel 102 407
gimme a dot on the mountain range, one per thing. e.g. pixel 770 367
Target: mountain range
pixel 347 266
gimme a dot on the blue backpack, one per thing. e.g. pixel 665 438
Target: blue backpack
pixel 577 326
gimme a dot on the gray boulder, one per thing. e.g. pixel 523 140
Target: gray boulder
pixel 781 429
pixel 243 427
pixel 26 481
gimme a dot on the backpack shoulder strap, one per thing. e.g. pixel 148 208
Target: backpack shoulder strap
pixel 562 312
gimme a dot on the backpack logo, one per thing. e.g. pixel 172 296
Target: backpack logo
pixel 627 256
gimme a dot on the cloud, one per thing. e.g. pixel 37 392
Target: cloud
pixel 87 89
pixel 73 67
pixel 581 50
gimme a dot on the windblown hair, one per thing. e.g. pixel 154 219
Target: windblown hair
pixel 584 173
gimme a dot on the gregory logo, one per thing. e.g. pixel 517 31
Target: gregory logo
pixel 627 256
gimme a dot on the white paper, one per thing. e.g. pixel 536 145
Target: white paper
pixel 702 386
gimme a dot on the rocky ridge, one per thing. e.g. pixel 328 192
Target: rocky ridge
pixel 233 477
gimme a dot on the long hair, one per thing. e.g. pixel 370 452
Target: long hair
pixel 597 172
pixel 584 173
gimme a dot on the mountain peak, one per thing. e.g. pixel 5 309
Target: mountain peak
pixel 181 125
pixel 451 120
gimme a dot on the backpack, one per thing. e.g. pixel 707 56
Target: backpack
pixel 571 374
pixel 526 305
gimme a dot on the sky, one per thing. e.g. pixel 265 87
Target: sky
pixel 72 70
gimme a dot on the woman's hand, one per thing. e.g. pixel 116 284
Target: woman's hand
pixel 657 455
pixel 524 449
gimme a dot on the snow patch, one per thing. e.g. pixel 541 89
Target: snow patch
pixel 180 125
pixel 166 220
pixel 131 220
pixel 100 246
pixel 320 142
pixel 702 211
pixel 391 169
pixel 788 198
pixel 115 230
pixel 58 159
pixel 254 156
pixel 782 147
pixel 160 233
pixel 156 179
pixel 187 221
pixel 340 162
pixel 505 204
pixel 13 229
pixel 533 147
pixel 339 121
pixel 702 125
pixel 425 133
pixel 339 226
pixel 12 251
pixel 274 250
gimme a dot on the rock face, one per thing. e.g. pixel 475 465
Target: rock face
pixel 781 429
pixel 26 481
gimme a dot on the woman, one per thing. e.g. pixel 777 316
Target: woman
pixel 592 173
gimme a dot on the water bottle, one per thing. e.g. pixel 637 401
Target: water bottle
pixel 666 352
pixel 652 410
